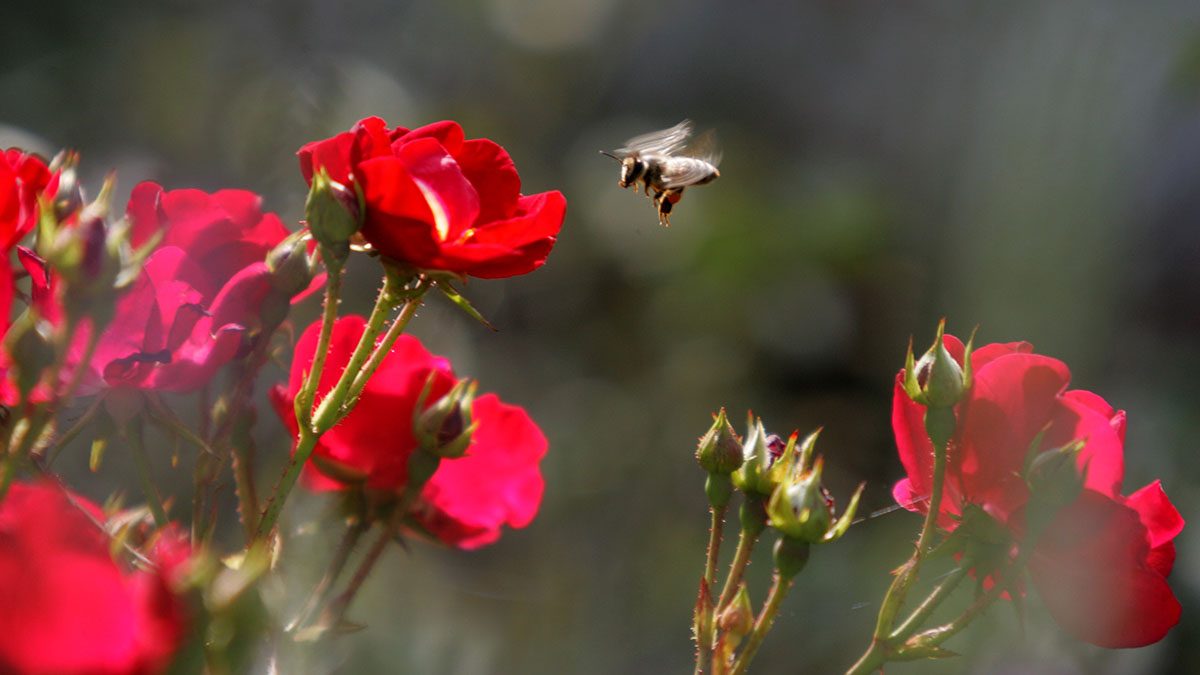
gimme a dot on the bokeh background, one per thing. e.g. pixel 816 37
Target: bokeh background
pixel 1030 167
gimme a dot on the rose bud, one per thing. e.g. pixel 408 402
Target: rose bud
pixel 937 380
pixel 720 450
pixel 333 216
pixel 291 266
pixel 766 458
pixel 444 429
pixel 1055 480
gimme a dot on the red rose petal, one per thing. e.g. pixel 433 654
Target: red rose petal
pixel 496 483
pixel 1091 570
pixel 492 172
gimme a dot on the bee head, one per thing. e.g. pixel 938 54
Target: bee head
pixel 632 168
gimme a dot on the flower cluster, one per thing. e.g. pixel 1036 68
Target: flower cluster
pixel 184 285
pixel 468 499
pixel 1101 565
pixel 188 293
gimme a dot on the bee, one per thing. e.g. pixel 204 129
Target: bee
pixel 665 162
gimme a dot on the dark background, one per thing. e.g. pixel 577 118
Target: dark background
pixel 1033 168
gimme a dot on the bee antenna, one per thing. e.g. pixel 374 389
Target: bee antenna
pixel 609 154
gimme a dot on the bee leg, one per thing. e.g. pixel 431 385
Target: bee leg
pixel 664 201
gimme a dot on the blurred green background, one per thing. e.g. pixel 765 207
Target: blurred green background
pixel 1030 167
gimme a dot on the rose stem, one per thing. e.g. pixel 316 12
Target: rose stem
pixel 762 623
pixel 141 463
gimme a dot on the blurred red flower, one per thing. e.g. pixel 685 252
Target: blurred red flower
pixel 199 293
pixel 467 501
pixel 65 605
pixel 23 177
pixel 437 201
pixel 1102 565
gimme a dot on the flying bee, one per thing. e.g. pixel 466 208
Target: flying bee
pixel 664 161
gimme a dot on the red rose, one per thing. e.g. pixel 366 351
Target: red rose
pixel 1102 564
pixel 436 201
pixel 201 290
pixel 65 605
pixel 164 336
pixel 496 482
pixel 23 177
pixel 222 233
pixel 467 501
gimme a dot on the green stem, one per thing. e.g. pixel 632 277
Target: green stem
pixel 939 425
pixel 243 477
pixel 714 543
pixel 336 611
pixel 236 432
pixel 922 612
pixel 940 447
pixel 762 623
pixel 329 411
pixel 141 464
pixel 12 461
pixel 407 312
pixel 883 649
pixel 754 521
pixel 163 416
pixel 77 376
pixel 320 592
pixel 421 467
pixel 199 473
pixel 307 395
pixel 936 636
pixel 705 625
pixel 872 660
pixel 304 448
pixel 70 434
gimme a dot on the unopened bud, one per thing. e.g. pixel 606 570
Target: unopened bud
pixel 445 428
pixel 937 380
pixel 87 255
pixel 333 216
pixel 766 460
pixel 1054 481
pixel 290 265
pixel 737 619
pixel 720 450
pixel 803 508
pixel 69 197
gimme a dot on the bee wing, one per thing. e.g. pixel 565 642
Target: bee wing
pixel 704 147
pixel 664 141
pixel 681 172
